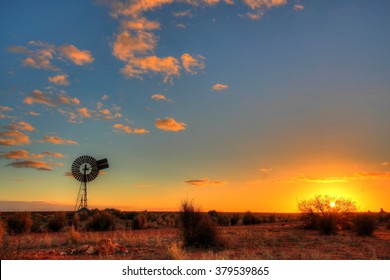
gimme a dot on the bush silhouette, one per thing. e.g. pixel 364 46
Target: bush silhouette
pixel 197 229
pixel 101 221
pixel 139 222
pixel 250 219
pixel 57 222
pixel 365 224
pixel 19 223
pixel 326 213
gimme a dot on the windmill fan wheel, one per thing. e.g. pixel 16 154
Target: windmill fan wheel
pixel 85 169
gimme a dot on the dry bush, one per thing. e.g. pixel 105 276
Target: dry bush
pixel 197 229
pixel 74 235
pixel 139 222
pixel 365 224
pixel 101 221
pixel 20 222
pixel 250 219
pixel 326 213
pixel 234 219
pixel 57 222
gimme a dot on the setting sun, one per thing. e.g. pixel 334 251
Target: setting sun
pixel 332 204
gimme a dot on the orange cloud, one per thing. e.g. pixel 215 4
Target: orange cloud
pixel 205 182
pixel 61 80
pixel 21 126
pixel 160 97
pixel 40 58
pixel 38 165
pixel 126 45
pixel 105 112
pixel 140 24
pixel 57 140
pixel 14 138
pixel 299 7
pixel 170 124
pixel 75 55
pixel 57 155
pixel 219 87
pixel 266 170
pixel 190 63
pixel 126 129
pixel 343 179
pixel 39 97
pixel 5 108
pixel 260 6
pixel 20 154
pixel 84 112
pixel 168 66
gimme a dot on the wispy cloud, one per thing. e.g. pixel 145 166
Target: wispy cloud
pixel 160 97
pixel 5 108
pixel 45 98
pixel 61 80
pixel 20 154
pixel 341 179
pixel 170 124
pixel 259 7
pixel 299 7
pixel 22 125
pixel 40 55
pixel 219 87
pixel 205 182
pixel 126 129
pixel 192 64
pixel 14 138
pixel 75 55
pixel 57 140
pixel 38 165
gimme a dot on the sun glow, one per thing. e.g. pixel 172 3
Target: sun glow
pixel 332 204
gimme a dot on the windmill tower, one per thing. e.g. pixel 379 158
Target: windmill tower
pixel 85 169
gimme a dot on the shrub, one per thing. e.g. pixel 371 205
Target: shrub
pixel 234 219
pixel 139 222
pixel 19 223
pixel 57 222
pixel 101 221
pixel 327 224
pixel 74 235
pixel 197 229
pixel 365 224
pixel 326 213
pixel 249 219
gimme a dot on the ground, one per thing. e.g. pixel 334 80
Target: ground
pixel 273 241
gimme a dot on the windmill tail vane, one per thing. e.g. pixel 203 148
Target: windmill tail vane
pixel 85 169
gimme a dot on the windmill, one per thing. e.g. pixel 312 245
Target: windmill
pixel 85 169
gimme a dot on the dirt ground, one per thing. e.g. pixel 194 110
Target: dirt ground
pixel 276 241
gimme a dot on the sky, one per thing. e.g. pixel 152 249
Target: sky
pixel 234 105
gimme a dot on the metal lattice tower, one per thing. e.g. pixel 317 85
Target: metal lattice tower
pixel 85 169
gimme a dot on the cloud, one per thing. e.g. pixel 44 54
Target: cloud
pixel 5 108
pixel 190 63
pixel 57 140
pixel 37 58
pixel 160 97
pixel 265 170
pixel 14 138
pixel 170 124
pixel 259 7
pixel 61 80
pixel 126 45
pixel 187 13
pixel 85 112
pixel 140 24
pixel 167 66
pixel 50 154
pixel 34 114
pixel 38 165
pixel 126 129
pixel 39 97
pixel 205 182
pixel 299 7
pixel 21 126
pixel 105 97
pixel 342 179
pixel 219 87
pixel 75 55
pixel 20 154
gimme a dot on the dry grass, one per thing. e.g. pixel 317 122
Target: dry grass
pixel 264 241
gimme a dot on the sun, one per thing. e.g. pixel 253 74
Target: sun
pixel 332 204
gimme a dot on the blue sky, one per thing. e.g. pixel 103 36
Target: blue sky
pixel 240 105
